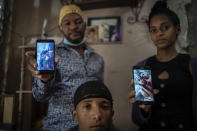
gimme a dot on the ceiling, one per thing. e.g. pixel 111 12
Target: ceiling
pixel 96 4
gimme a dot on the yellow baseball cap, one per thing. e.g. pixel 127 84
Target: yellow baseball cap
pixel 68 9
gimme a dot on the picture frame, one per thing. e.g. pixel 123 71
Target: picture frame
pixel 104 30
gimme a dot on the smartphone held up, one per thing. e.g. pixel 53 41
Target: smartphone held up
pixel 45 56
pixel 143 85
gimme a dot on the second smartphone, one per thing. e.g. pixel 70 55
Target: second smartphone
pixel 143 85
pixel 45 56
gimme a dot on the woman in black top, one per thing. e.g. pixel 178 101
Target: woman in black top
pixel 172 77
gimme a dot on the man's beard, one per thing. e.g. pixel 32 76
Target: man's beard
pixel 75 41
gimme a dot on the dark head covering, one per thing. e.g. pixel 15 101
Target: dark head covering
pixel 92 89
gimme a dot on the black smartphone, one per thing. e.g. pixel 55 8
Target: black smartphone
pixel 45 56
pixel 143 85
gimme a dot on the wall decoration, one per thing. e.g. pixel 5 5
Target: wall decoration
pixel 92 34
pixel 135 10
pixel 104 30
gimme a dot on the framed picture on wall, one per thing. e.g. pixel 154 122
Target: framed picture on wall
pixel 104 30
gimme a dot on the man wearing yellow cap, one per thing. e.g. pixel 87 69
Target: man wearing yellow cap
pixel 77 63
pixel 72 25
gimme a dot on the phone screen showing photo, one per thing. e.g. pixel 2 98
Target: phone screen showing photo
pixel 45 55
pixel 143 85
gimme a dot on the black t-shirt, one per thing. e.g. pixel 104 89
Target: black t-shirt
pixel 172 108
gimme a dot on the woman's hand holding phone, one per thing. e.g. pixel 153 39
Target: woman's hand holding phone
pixel 32 67
pixel 131 94
pixel 132 99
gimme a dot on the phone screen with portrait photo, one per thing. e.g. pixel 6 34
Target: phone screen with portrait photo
pixel 143 85
pixel 45 56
